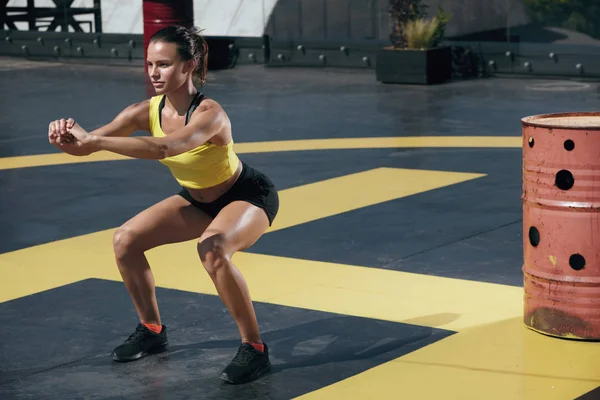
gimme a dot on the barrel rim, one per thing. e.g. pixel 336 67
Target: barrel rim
pixel 530 120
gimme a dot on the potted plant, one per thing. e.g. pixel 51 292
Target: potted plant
pixel 415 55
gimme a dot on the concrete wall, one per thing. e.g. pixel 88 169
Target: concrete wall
pixel 368 19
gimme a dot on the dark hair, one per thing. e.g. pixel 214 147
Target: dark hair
pixel 190 45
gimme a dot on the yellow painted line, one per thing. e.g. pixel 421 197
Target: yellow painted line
pixel 383 143
pixel 329 287
pixel 50 265
pixel 290 145
pixel 318 200
pixel 26 271
pixel 494 361
pixel 352 290
pixel 43 160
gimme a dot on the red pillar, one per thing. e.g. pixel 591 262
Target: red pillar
pixel 159 14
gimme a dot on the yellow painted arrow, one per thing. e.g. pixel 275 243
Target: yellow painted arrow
pixel 40 160
pixel 323 199
pixel 47 266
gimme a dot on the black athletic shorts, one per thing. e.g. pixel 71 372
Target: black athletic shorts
pixel 252 186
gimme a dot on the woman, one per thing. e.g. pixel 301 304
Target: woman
pixel 223 202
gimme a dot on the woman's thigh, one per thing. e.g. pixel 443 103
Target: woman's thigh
pixel 172 220
pixel 237 227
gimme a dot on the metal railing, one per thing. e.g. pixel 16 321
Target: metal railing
pixel 51 18
pixel 470 59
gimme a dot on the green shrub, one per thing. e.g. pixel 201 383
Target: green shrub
pixel 411 29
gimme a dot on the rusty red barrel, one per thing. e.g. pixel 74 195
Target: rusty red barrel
pixel 561 224
pixel 159 14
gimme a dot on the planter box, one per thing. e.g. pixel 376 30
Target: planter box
pixel 414 66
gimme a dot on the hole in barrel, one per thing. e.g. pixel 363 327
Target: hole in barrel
pixel 531 141
pixel 577 262
pixel 569 145
pixel 564 179
pixel 534 236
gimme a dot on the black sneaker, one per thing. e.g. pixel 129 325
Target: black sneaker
pixel 141 343
pixel 247 365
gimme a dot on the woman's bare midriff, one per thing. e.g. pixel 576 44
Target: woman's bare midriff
pixel 212 193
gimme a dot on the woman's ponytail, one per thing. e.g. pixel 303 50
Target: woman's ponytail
pixel 200 55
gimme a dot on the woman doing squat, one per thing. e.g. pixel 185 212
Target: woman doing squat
pixel 224 203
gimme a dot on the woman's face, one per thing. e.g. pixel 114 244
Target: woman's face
pixel 166 69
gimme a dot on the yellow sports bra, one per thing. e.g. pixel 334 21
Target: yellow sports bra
pixel 205 166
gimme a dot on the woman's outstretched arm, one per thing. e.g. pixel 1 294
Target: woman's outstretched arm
pixel 131 119
pixel 201 128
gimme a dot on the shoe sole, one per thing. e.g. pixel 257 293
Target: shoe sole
pixel 257 374
pixel 154 350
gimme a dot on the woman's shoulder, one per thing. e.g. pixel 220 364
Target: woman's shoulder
pixel 208 103
pixel 141 108
pixel 210 114
pixel 210 107
pixel 138 113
